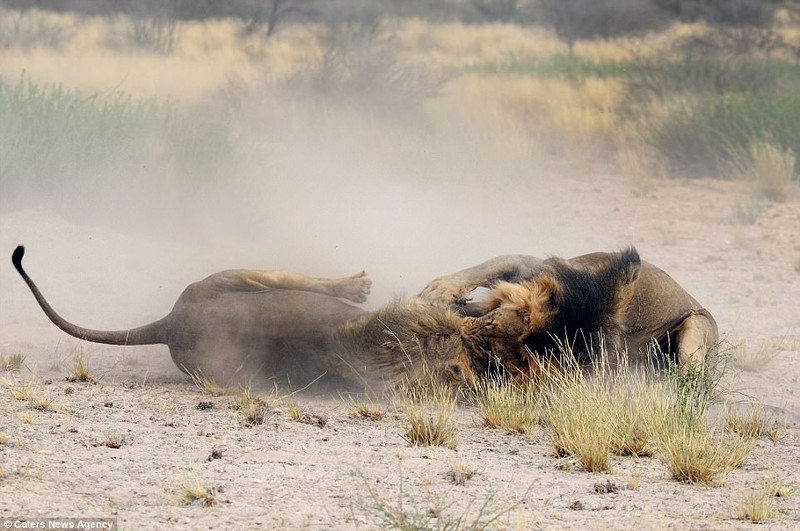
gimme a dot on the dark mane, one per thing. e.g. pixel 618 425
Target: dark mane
pixel 589 303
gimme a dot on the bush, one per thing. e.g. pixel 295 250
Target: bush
pixel 703 136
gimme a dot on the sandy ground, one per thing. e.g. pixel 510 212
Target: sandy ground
pixel 355 473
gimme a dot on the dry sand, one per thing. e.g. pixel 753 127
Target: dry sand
pixel 352 473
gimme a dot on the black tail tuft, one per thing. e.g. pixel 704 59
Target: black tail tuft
pixel 16 257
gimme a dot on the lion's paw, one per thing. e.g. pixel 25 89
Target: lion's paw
pixel 355 288
pixel 445 291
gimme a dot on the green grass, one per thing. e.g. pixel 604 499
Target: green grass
pixel 718 108
pixel 57 140
pixel 561 66
pixel 711 75
pixel 703 136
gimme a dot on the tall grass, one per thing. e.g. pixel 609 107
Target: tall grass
pixel 702 136
pixel 510 87
pixel 769 167
pixel 608 410
pixel 57 140
pixel 693 449
pixel 504 405
pixel 641 410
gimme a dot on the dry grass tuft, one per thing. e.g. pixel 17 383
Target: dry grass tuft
pixel 193 489
pixel 365 410
pixel 769 167
pixel 608 410
pixel 25 417
pixel 114 440
pixel 753 424
pixel 209 386
pixel 696 453
pixel 429 414
pixel 507 406
pixel 255 411
pixel 776 489
pixel 12 363
pixel 577 412
pixel 28 472
pixel 635 483
pixel 80 369
pixel 757 507
pixel 692 450
pixel 4 438
pixel 634 399
pixel 461 472
pixel 296 414
pixel 41 401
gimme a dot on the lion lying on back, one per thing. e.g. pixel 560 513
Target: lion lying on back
pixel 296 331
pixel 537 309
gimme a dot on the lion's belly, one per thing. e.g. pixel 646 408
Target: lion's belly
pixel 281 333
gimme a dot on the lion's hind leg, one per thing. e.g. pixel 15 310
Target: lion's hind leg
pixel 694 337
pixel 355 288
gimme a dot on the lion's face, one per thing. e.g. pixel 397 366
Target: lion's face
pixel 451 360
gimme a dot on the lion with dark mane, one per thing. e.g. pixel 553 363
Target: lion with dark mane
pixel 295 330
pixel 539 309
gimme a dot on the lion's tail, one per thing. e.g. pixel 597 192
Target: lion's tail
pixel 149 334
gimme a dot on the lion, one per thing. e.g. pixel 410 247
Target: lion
pixel 538 309
pixel 296 330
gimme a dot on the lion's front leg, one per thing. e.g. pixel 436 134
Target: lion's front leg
pixel 456 288
pixel 450 289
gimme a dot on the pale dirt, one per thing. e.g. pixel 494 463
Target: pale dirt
pixel 285 474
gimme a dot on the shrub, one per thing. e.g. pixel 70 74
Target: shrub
pixel 705 135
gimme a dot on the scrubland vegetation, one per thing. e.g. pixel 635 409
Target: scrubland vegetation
pixel 631 411
pixel 715 93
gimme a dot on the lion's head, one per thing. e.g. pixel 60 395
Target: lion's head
pixel 414 341
pixel 522 324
